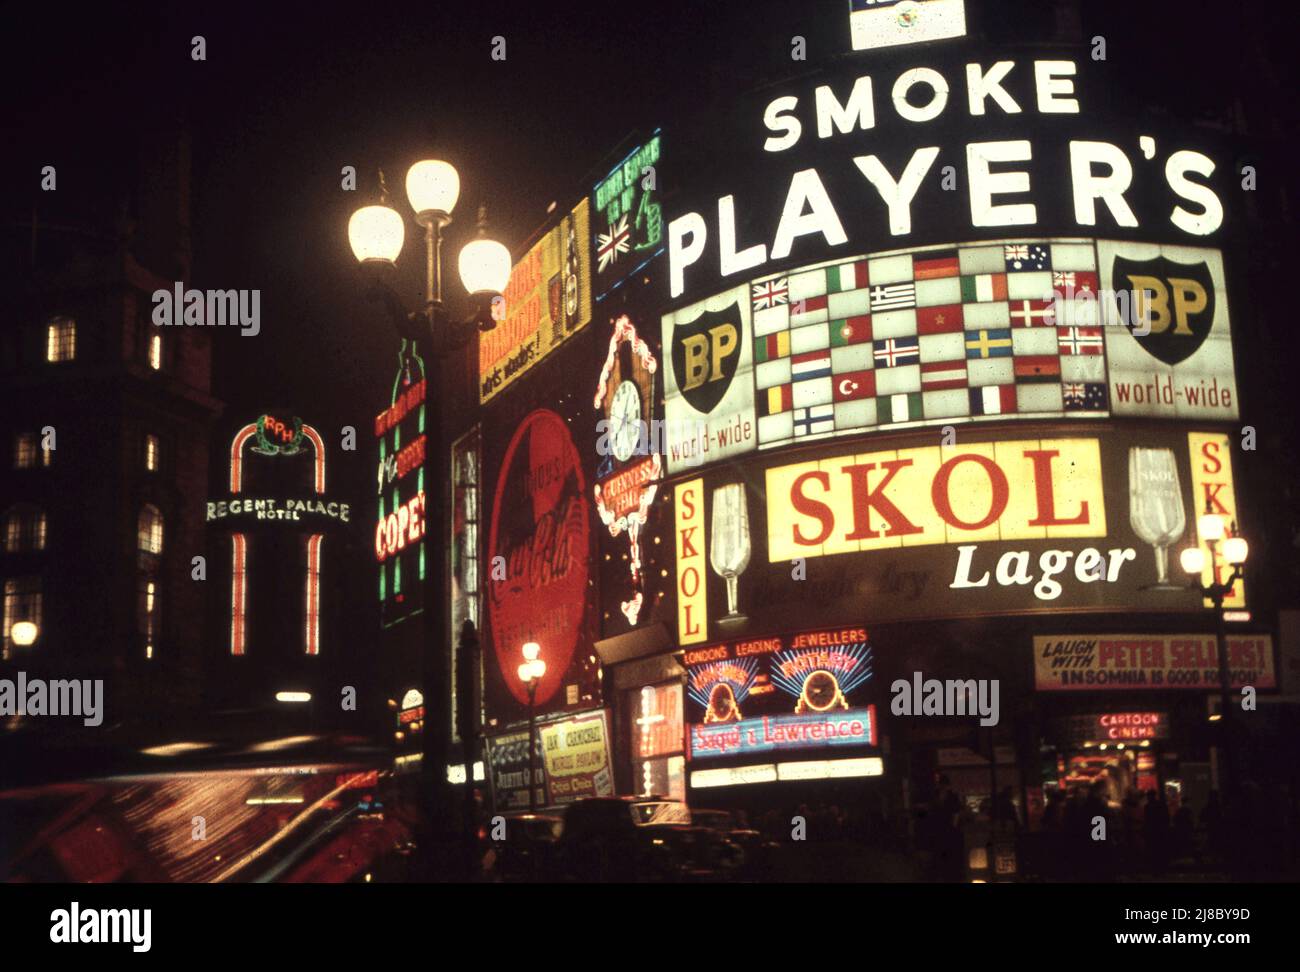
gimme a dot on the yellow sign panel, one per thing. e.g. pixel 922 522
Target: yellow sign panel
pixel 576 756
pixel 1212 487
pixel 1020 490
pixel 692 601
pixel 547 300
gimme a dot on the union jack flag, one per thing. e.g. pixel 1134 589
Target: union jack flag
pixel 770 293
pixel 610 245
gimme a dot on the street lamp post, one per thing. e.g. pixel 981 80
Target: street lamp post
pixel 1210 528
pixel 530 673
pixel 376 234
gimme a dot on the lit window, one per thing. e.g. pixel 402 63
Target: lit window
pixel 155 352
pixel 148 613
pixel 24 450
pixel 151 453
pixel 22 603
pixel 150 531
pixel 24 529
pixel 61 339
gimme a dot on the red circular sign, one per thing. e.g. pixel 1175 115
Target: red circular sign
pixel 540 525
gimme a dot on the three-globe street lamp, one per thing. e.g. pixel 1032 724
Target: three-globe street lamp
pixel 376 234
pixel 1210 528
pixel 530 673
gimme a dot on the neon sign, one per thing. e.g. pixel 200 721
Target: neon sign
pixel 399 482
pixel 852 727
pixel 279 437
pixel 629 226
pixel 274 436
pixel 403 526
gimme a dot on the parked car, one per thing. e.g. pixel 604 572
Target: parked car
pixel 744 852
pixel 527 852
pixel 625 839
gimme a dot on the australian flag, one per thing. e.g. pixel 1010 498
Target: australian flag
pixel 1021 257
pixel 1080 396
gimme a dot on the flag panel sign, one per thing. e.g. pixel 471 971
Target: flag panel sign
pixel 949 333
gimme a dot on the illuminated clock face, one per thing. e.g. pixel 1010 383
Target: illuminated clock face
pixel 625 420
pixel 821 690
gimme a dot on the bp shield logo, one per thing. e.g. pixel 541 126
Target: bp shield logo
pixel 1176 300
pixel 705 355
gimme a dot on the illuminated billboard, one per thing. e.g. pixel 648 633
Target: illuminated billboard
pixel 708 381
pixel 890 23
pixel 628 465
pixel 771 695
pixel 1168 341
pixel 907 152
pixel 399 526
pixel 277 486
pixel 940 335
pixel 575 752
pixel 547 300
pixel 951 334
pixel 1133 662
pixel 1003 524
pixel 628 225
pixel 538 573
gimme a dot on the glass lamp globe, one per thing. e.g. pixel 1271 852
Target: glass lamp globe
pixel 1210 526
pixel 432 187
pixel 539 669
pixel 376 234
pixel 1235 550
pixel 531 650
pixel 525 672
pixel 23 633
pixel 485 267
pixel 1192 560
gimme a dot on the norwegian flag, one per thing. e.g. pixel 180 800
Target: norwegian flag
pixel 610 245
pixel 1079 340
pixel 892 352
pixel 769 293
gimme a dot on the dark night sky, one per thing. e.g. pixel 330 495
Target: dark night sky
pixel 287 96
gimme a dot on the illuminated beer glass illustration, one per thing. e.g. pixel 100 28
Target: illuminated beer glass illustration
pixel 1156 505
pixel 729 544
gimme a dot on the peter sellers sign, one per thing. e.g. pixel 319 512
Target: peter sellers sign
pixel 1065 663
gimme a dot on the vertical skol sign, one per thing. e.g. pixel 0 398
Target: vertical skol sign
pixel 692 599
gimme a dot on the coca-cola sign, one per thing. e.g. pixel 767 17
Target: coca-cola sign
pixel 538 553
